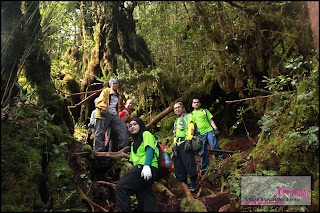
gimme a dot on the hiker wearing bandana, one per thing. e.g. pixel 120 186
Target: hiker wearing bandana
pixel 183 157
pixel 139 179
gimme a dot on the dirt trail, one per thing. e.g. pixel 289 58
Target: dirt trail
pixel 219 200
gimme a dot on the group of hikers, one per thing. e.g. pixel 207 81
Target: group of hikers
pixel 143 153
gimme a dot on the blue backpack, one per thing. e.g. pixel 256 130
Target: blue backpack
pixel 164 162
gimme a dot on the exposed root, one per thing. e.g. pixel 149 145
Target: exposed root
pixel 107 183
pixel 91 202
pixel 121 153
pixel 190 198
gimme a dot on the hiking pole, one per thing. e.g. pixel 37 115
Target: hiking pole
pixel 218 150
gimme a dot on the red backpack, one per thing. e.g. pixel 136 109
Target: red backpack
pixel 164 162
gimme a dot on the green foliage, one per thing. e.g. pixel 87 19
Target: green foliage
pixel 291 125
pixel 33 150
pixel 240 120
pixel 307 139
pixel 279 83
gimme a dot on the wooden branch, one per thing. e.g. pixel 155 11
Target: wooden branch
pixel 218 150
pixel 82 93
pixel 159 117
pixel 120 153
pixel 85 100
pixel 265 96
pixel 79 153
pixel 107 183
pixel 91 202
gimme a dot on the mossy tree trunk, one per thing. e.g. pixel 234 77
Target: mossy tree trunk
pixel 114 35
pixel 313 8
pixel 12 48
pixel 37 70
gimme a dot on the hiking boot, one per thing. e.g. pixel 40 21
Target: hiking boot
pixel 192 189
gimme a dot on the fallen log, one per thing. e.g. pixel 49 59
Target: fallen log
pixel 159 117
pixel 120 153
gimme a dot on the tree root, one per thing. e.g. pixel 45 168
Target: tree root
pixel 190 197
pixel 91 202
pixel 121 153
pixel 162 188
pixel 107 183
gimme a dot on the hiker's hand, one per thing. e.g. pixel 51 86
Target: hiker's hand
pixel 103 113
pixel 217 133
pixel 188 146
pixel 146 172
pixel 174 150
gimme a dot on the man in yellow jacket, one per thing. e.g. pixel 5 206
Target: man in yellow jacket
pixel 107 109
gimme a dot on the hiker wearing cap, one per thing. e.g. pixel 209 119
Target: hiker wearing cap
pixel 209 132
pixel 107 108
pixel 183 157
pixel 139 179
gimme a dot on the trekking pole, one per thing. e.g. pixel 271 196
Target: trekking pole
pixel 218 150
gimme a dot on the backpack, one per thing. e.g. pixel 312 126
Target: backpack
pixel 197 141
pixel 163 170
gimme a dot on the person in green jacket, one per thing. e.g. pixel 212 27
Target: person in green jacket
pixel 183 157
pixel 209 132
pixel 139 179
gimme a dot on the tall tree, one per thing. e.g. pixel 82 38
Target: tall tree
pixel 114 35
pixel 12 48
pixel 37 69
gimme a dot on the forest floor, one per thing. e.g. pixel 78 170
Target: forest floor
pixel 218 198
